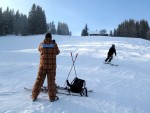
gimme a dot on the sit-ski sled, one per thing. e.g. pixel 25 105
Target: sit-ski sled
pixel 77 85
pixel 61 90
pixel 76 88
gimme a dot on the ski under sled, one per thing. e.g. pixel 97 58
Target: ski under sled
pixel 61 90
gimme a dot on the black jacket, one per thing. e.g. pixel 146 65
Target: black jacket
pixel 111 51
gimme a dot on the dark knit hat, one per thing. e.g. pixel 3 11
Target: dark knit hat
pixel 48 35
pixel 113 45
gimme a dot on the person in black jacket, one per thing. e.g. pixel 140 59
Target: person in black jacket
pixel 111 51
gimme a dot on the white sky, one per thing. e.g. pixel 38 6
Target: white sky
pixel 98 14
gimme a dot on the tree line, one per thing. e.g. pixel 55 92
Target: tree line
pixel 12 22
pixel 62 28
pixel 132 28
pixel 128 28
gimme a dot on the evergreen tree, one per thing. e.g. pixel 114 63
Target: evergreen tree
pixel 137 24
pixel 1 22
pixel 103 31
pixel 111 33
pixel 148 35
pixel 24 25
pixel 7 22
pixel 59 29
pixel 40 21
pixel 11 17
pixel 63 29
pixel 51 28
pixel 131 28
pixel 70 33
pixel 144 27
pixel 32 20
pixel 37 20
pixel 44 28
pixel 17 23
pixel 66 29
pixel 85 31
pixel 115 32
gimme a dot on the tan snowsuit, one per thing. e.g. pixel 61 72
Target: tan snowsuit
pixel 47 67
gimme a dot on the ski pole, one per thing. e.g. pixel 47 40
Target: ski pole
pixel 74 65
pixel 71 67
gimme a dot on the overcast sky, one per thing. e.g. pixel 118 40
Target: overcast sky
pixel 98 14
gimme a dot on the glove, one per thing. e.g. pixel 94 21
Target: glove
pixel 54 41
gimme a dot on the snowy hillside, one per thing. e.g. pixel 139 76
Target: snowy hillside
pixel 122 89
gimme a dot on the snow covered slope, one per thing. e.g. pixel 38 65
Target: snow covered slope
pixel 117 89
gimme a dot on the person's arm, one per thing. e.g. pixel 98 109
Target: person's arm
pixel 40 48
pixel 115 52
pixel 57 49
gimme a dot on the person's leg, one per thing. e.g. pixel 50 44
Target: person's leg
pixel 51 74
pixel 111 57
pixel 38 83
pixel 107 58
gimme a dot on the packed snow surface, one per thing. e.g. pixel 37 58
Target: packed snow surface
pixel 116 89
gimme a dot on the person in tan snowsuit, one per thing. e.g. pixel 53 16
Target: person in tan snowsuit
pixel 48 50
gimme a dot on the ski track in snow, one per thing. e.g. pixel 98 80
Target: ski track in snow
pixel 121 89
